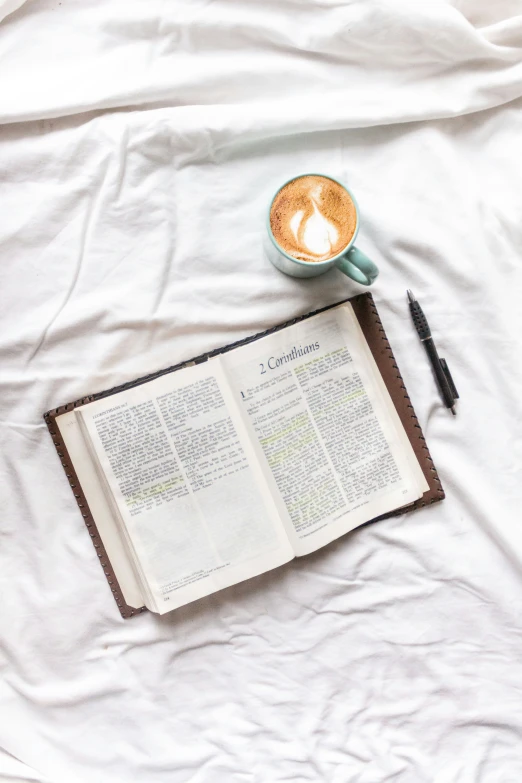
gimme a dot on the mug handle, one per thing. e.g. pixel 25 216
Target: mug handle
pixel 358 266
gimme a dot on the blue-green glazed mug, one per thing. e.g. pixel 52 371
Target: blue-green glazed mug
pixel 351 261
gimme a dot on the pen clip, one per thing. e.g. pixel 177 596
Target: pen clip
pixel 451 383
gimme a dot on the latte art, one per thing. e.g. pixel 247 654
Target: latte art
pixel 313 218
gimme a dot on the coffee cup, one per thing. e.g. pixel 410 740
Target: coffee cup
pixel 316 220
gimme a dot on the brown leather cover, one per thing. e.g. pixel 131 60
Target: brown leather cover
pixel 373 330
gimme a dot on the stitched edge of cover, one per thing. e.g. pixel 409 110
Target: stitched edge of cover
pixel 61 449
pixel 420 435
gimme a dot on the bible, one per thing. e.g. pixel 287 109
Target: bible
pixel 228 465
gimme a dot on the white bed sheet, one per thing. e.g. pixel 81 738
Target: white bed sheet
pixel 139 144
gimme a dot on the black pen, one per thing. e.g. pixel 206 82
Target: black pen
pixel 440 368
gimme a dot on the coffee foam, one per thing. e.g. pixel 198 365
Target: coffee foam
pixel 313 218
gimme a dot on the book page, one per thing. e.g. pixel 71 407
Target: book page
pixel 70 430
pixel 185 485
pixel 325 429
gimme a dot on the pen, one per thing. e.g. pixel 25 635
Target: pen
pixel 440 368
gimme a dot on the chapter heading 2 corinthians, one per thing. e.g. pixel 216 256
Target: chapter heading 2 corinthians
pixel 297 351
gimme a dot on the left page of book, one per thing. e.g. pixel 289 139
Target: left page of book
pixel 186 491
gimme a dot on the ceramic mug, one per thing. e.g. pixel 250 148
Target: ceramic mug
pixel 350 260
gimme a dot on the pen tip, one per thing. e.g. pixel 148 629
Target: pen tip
pixel 453 410
pixel 411 296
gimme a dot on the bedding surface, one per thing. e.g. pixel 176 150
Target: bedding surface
pixel 139 146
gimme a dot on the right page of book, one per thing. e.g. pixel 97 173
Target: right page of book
pixel 324 427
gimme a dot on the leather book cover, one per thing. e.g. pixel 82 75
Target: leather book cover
pixel 373 330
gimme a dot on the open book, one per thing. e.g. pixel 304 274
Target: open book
pixel 199 479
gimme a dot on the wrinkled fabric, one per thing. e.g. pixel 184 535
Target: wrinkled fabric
pixel 8 6
pixel 140 144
